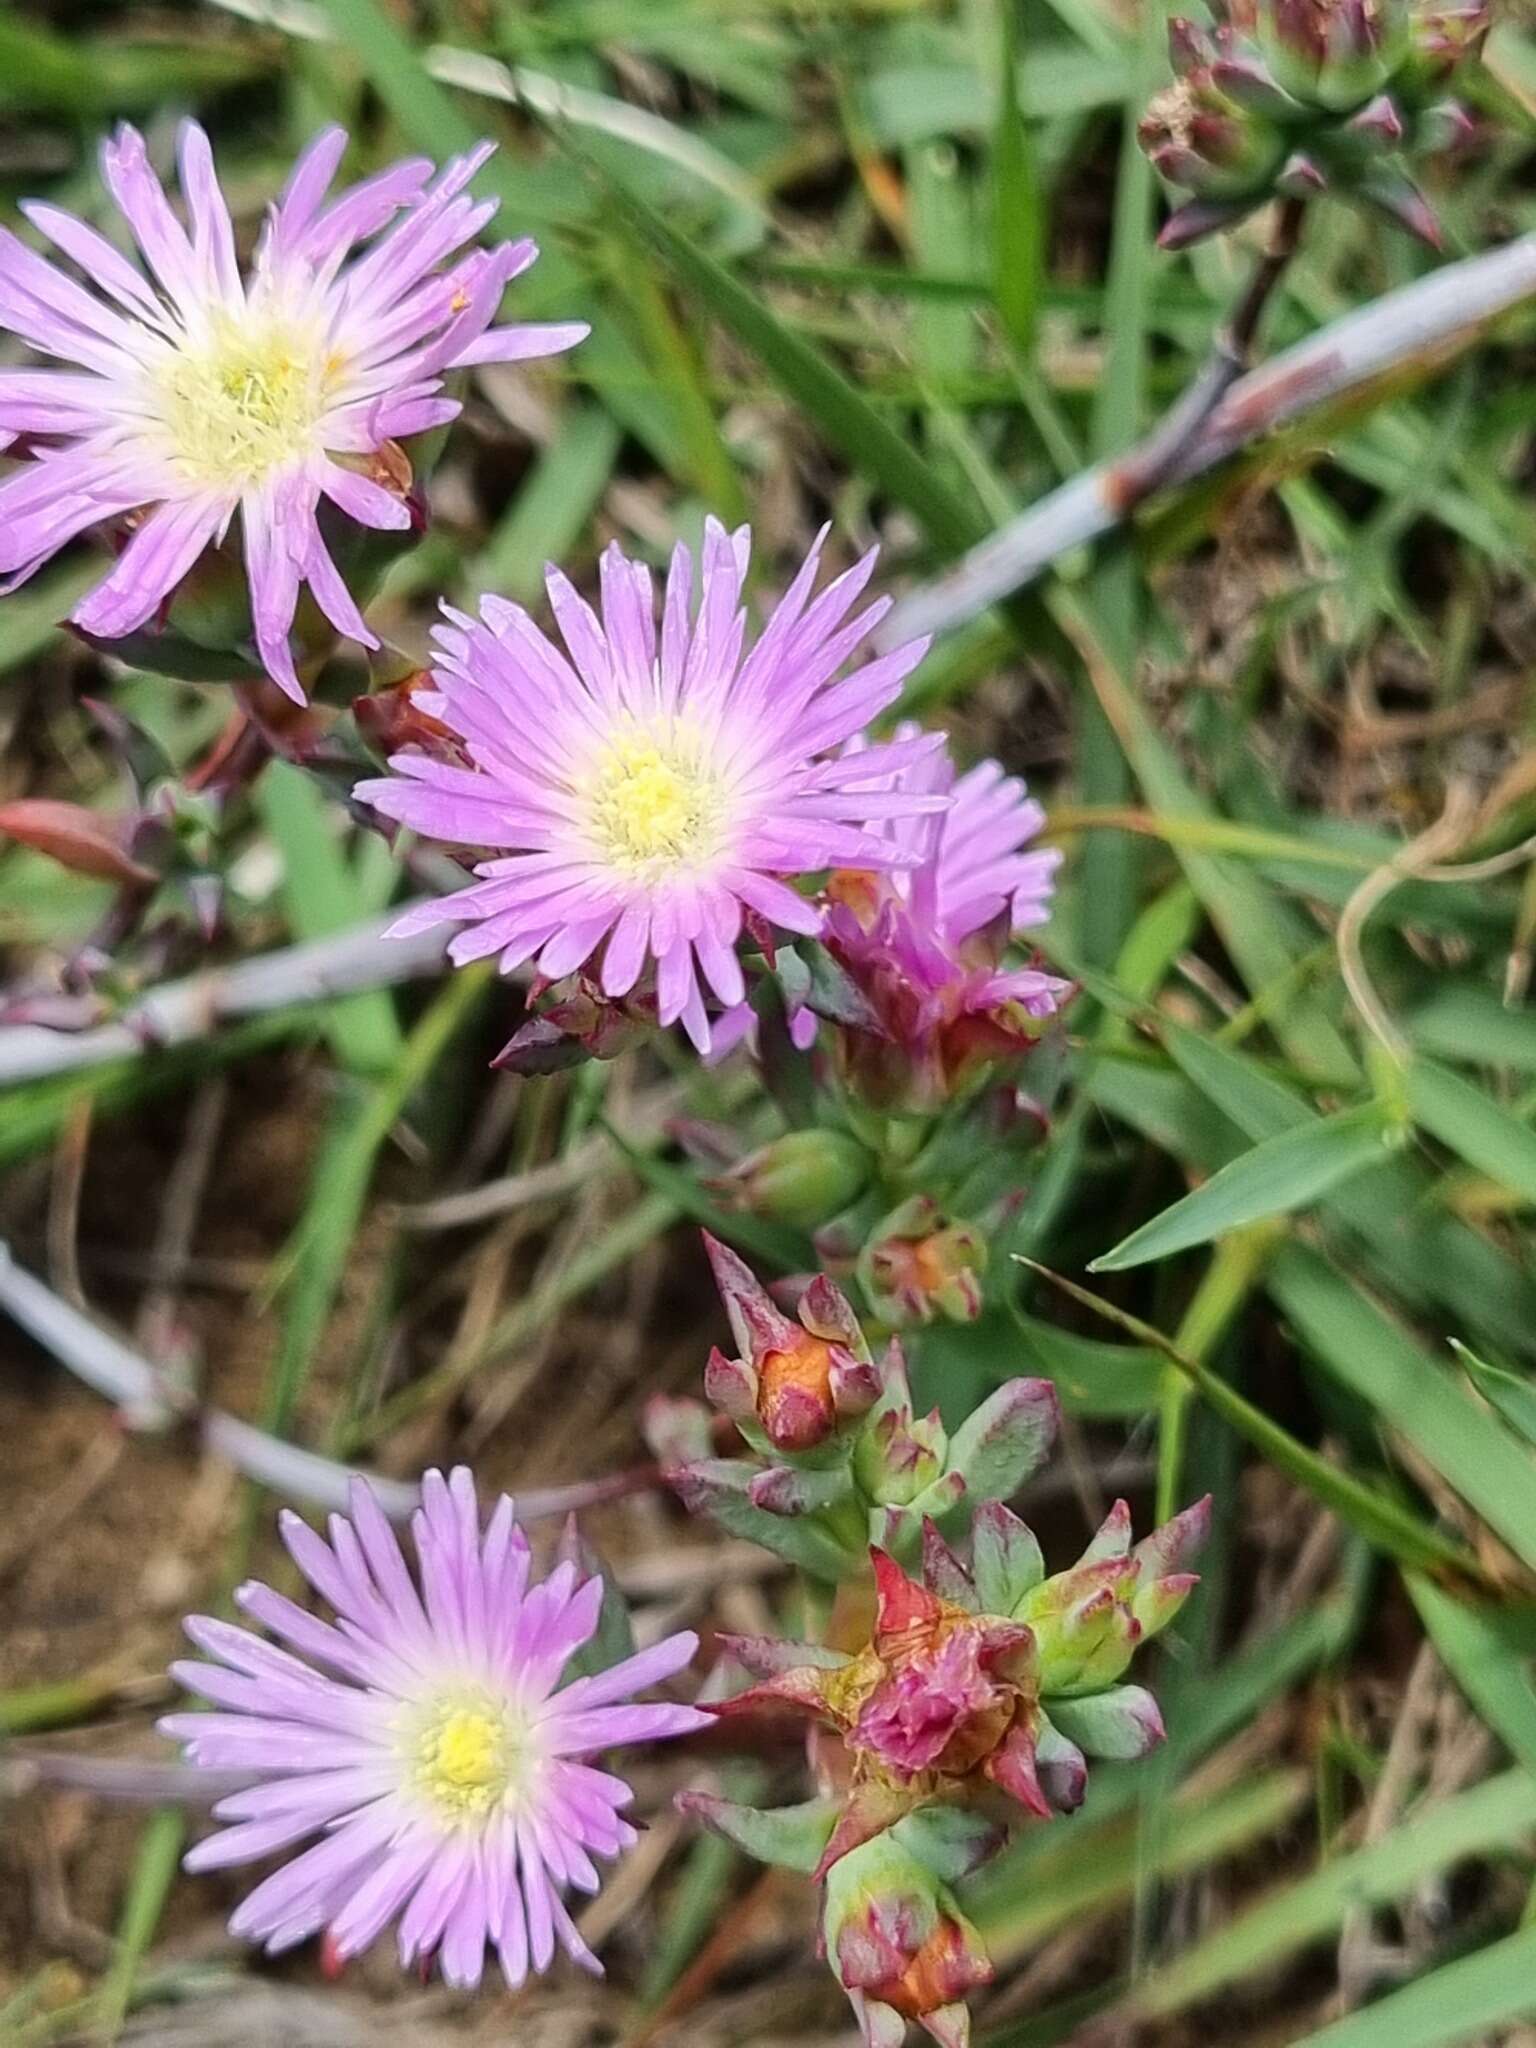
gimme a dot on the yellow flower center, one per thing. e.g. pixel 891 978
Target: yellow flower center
pixel 467 1756
pixel 655 801
pixel 246 403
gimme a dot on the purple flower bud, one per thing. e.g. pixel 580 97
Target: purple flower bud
pixel 1378 121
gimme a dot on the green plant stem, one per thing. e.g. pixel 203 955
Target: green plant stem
pixel 1229 1279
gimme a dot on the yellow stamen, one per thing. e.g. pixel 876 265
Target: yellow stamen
pixel 246 403
pixel 655 801
pixel 467 1756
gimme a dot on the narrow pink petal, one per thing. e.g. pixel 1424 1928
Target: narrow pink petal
pixel 149 568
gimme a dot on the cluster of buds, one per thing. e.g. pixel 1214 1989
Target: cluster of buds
pixel 982 1692
pixel 837 1458
pixel 915 1264
pixel 1302 97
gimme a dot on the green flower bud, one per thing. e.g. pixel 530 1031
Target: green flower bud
pixel 803 1178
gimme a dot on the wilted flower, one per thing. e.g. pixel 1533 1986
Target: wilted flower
pixel 199 392
pixel 648 793
pixel 927 1712
pixel 579 1024
pixel 1301 97
pixel 923 944
pixel 425 1736
pixel 987 1677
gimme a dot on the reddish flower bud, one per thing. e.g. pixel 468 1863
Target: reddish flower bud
pixel 391 719
pixel 900 1946
pixel 795 1386
pixel 84 841
pixel 919 1264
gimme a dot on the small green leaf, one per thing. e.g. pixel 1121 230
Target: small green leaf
pixel 1513 1396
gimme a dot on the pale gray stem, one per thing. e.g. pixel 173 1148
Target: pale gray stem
pixel 1438 314
pixel 134 1779
pixel 147 1400
pixel 180 1012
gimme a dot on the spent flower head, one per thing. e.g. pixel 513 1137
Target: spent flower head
pixel 645 796
pixel 198 389
pixel 424 1736
pixel 984 1680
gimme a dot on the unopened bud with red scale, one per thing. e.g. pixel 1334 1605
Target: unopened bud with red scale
pixel 795 1381
pixel 900 1946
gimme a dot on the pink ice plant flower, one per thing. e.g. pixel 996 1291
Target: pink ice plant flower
pixel 650 792
pixel 197 390
pixel 925 943
pixel 425 1736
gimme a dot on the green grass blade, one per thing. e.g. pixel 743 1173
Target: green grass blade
pixel 1461 2001
pixel 1421 1400
pixel 806 375
pixel 1465 1118
pixel 1018 203
pixel 322 1244
pixel 1512 1396
pixel 1496 1815
pixel 1378 1518
pixel 1091 1868
pixel 1479 1649
pixel 1278 1177
pixel 321 893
